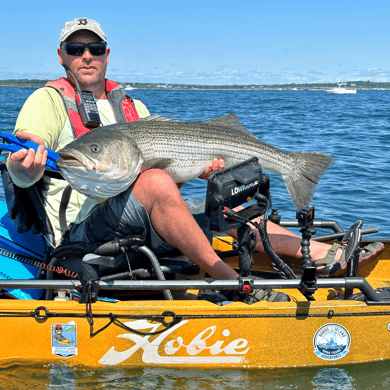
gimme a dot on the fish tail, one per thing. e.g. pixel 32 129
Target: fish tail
pixel 304 174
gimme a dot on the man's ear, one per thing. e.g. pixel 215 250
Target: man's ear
pixel 59 51
pixel 108 54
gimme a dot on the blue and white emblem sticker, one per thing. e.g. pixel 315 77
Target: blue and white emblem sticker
pixel 64 339
pixel 331 342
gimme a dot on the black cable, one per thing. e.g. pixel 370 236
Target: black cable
pixel 279 263
pixel 262 228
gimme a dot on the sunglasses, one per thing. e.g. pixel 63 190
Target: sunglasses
pixel 78 48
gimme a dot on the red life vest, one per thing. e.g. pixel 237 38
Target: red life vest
pixel 122 104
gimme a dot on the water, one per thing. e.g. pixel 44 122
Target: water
pixel 370 376
pixel 354 129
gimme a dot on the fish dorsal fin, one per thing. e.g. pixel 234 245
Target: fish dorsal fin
pixel 230 121
pixel 158 118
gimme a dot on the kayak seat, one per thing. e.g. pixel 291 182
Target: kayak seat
pixel 119 259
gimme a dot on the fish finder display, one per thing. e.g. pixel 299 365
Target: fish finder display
pixel 233 187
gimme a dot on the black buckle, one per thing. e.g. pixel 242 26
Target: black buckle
pixel 308 280
pixel 90 277
pixel 90 291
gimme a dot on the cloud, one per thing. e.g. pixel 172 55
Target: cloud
pixel 372 74
pixel 315 72
pixel 29 75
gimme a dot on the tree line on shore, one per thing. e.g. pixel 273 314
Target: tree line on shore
pixel 37 83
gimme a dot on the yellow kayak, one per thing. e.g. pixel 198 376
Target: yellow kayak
pixel 186 332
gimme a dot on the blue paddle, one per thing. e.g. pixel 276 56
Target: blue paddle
pixel 14 144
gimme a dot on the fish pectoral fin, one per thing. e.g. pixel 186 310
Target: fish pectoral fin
pixel 157 163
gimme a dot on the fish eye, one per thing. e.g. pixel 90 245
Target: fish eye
pixel 95 148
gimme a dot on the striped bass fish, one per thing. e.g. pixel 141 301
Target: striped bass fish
pixel 107 160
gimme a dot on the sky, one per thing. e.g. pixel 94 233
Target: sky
pixel 207 42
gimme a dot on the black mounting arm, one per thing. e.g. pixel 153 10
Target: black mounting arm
pixel 305 219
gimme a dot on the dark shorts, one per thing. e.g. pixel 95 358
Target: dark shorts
pixel 122 216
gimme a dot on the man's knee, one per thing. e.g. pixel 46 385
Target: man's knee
pixel 155 179
pixel 154 185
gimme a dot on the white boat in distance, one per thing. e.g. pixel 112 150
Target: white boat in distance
pixel 341 89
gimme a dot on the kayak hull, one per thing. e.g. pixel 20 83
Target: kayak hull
pixel 196 333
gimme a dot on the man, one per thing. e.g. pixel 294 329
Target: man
pixel 58 336
pixel 50 118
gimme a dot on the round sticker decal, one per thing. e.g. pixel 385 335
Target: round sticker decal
pixel 331 342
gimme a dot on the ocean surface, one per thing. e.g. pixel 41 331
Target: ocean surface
pixel 353 129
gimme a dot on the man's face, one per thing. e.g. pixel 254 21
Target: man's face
pixel 58 330
pixel 89 70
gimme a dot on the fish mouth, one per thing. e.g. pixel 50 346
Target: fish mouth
pixel 75 159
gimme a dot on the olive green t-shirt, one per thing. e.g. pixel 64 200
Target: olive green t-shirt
pixel 44 114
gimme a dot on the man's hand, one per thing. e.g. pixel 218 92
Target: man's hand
pixel 29 165
pixel 217 165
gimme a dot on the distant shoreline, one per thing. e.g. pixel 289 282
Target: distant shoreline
pixel 362 85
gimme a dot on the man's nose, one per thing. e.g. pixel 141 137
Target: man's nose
pixel 87 55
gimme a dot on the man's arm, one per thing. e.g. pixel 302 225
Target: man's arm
pixel 41 120
pixel 28 165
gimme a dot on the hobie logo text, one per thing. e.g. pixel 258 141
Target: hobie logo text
pixel 180 351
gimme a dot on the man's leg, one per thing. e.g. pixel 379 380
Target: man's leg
pixel 285 242
pixel 173 222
